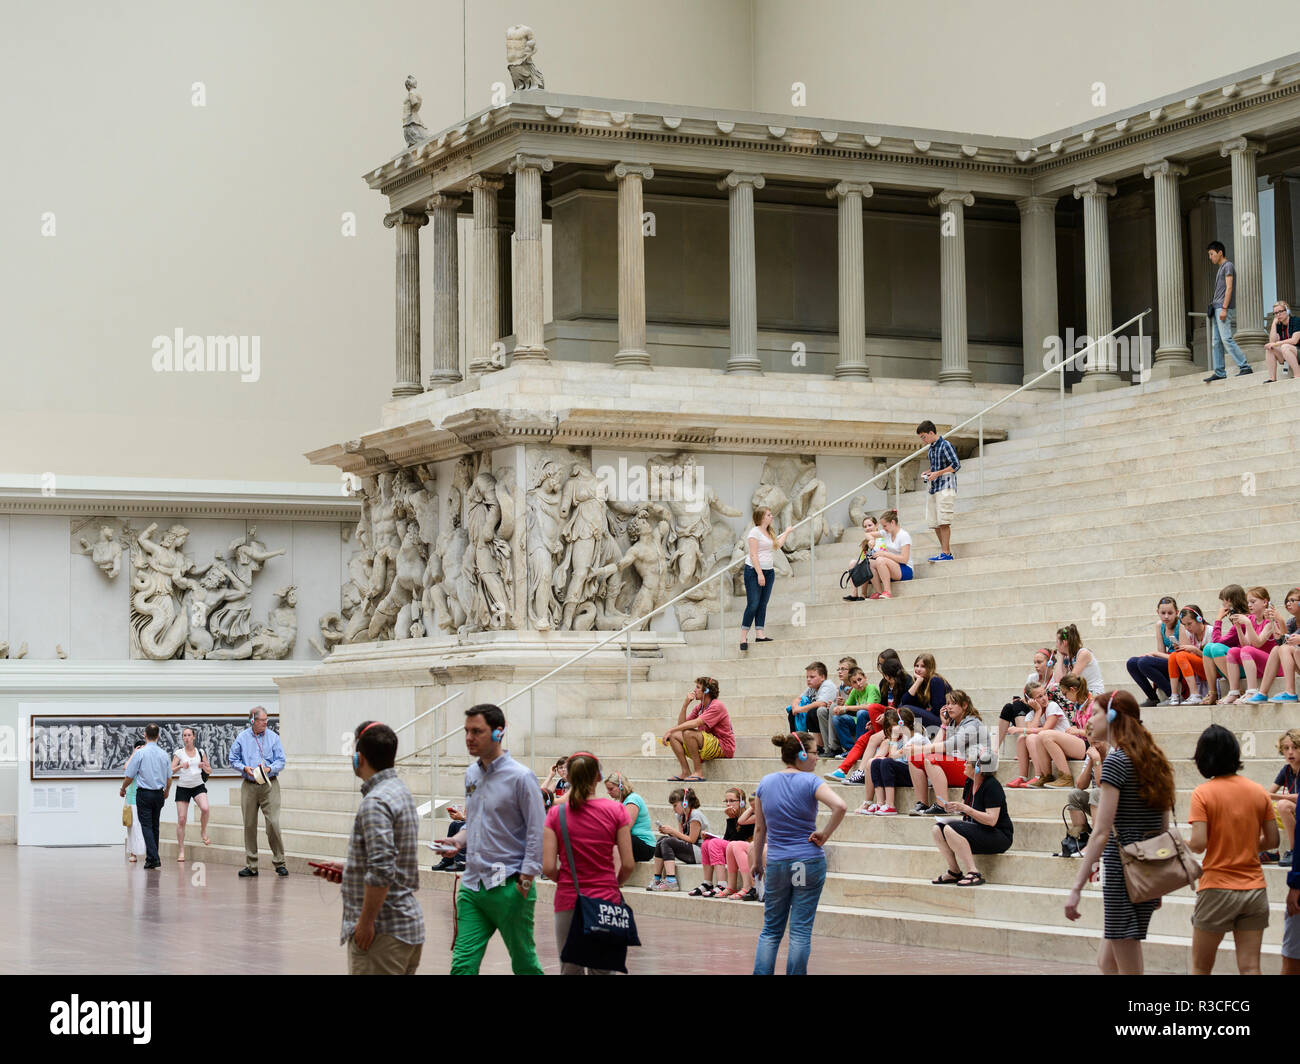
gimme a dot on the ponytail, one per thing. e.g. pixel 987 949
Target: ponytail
pixel 792 745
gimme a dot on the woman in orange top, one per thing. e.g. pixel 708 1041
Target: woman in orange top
pixel 1229 812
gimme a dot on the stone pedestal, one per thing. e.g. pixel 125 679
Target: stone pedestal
pixel 744 280
pixel 953 368
pixel 529 298
pixel 631 265
pixel 852 362
pixel 407 225
pixel 485 278
pixel 1173 357
pixel 1039 311
pixel 445 352
pixel 1248 296
pixel 1102 373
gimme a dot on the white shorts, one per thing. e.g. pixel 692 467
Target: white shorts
pixel 940 507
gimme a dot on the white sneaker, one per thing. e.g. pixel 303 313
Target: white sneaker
pixel 1195 700
pixel 1174 700
pixel 873 807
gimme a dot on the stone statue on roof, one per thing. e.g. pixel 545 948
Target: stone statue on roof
pixel 521 43
pixel 412 128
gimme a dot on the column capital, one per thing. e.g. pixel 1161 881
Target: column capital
pixel 1280 179
pixel 1093 188
pixel 1165 168
pixel 847 188
pixel 952 195
pixel 1242 144
pixel 736 178
pixel 405 217
pixel 523 161
pixel 487 182
pixel 443 201
pixel 621 170
pixel 1037 204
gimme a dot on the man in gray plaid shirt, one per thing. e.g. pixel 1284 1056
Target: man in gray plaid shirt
pixel 383 924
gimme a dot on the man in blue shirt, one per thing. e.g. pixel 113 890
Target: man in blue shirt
pixel 1282 341
pixel 259 757
pixel 941 502
pixel 1222 317
pixel 151 768
pixel 503 849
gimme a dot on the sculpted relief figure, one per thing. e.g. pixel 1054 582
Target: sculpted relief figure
pixel 400 608
pixel 647 558
pixel 158 626
pixel 105 552
pixel 275 640
pixel 203 596
pixel 331 634
pixel 489 522
pixel 545 545
pixel 589 543
pixel 790 487
pixel 521 45
pixel 695 540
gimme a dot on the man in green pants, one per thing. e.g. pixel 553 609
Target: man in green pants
pixel 502 841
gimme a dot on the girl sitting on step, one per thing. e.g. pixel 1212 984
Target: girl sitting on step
pixel 1257 633
pixel 1074 659
pixel 1151 671
pixel 872 540
pixel 927 693
pixel 893 684
pixel 680 843
pixel 1223 637
pixel 889 769
pixel 713 850
pixel 1039 704
pixel 1053 748
pixel 893 560
pixel 1185 662
pixel 1017 707
pixel 1284 657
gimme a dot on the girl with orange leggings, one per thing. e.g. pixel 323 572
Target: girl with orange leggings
pixel 1185 662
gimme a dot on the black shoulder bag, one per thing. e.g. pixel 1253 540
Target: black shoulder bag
pixel 601 931
pixel 203 757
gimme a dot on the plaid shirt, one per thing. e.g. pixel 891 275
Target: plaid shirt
pixel 941 456
pixel 382 853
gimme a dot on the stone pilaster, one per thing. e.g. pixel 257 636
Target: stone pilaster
pixel 1248 295
pixel 1039 311
pixel 1173 356
pixel 529 296
pixel 852 363
pixel 407 227
pixel 744 279
pixel 445 368
pixel 485 279
pixel 632 351
pixel 505 278
pixel 1103 369
pixel 1283 237
pixel 954 367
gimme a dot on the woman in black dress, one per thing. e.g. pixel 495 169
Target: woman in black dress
pixel 985 826
pixel 1137 794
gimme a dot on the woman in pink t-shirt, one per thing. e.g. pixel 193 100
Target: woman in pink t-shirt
pixel 596 826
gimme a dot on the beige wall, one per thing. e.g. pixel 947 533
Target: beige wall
pixel 226 219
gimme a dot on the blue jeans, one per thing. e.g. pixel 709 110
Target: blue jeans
pixel 1221 334
pixel 1151 674
pixel 850 726
pixel 756 597
pixel 787 900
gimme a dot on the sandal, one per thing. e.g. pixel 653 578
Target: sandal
pixel 744 646
pixel 704 890
pixel 971 879
pixel 948 877
pixel 721 891
pixel 691 779
pixel 750 895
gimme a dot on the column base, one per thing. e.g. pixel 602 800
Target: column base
pixel 404 388
pixel 1098 382
pixel 1251 344
pixel 531 353
pixel 745 365
pixel 853 371
pixel 1172 362
pixel 633 358
pixel 442 380
pixel 960 378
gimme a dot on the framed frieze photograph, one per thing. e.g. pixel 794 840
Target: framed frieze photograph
pixel 94 746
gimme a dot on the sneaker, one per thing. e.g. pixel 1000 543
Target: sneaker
pixel 1268 856
pixel 918 809
pixel 1195 700
pixel 1255 697
pixel 1150 702
pixel 1019 781
pixel 1287 857
pixel 1040 781
pixel 1284 697
pixel 886 810
pixel 1245 371
pixel 1174 700
pixel 837 776
pixel 857 777
pixel 1215 377
pixel 872 807
pixel 935 810
pixel 1061 779
pixel 667 884
pixel 940 558
pixel 654 883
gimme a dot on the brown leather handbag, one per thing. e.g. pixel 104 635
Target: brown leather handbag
pixel 1157 866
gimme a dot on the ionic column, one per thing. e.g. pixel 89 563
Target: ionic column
pixel 744 282
pixel 631 264
pixel 853 300
pixel 446 291
pixel 484 290
pixel 1039 314
pixel 1283 238
pixel 529 296
pixel 1102 370
pixel 1248 294
pixel 407 226
pixel 1173 356
pixel 954 367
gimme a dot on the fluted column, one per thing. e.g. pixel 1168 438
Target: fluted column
pixel 505 278
pixel 744 279
pixel 1173 356
pixel 954 367
pixel 631 264
pixel 530 306
pixel 1248 295
pixel 1283 237
pixel 445 350
pixel 1102 370
pixel 484 282
pixel 407 226
pixel 853 299
pixel 1039 313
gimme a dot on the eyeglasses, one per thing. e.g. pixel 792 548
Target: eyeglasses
pixel 1291 601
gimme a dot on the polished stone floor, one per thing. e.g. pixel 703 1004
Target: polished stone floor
pixel 85 910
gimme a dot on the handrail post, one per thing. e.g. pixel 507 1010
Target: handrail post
pixel 532 730
pixel 981 456
pixel 1142 359
pixel 627 705
pixel 722 613
pixel 812 563
pixel 898 488
pixel 433 781
pixel 1062 400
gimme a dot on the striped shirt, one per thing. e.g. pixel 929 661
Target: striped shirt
pixel 942 456
pixel 382 853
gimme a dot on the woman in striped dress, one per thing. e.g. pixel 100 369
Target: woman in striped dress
pixel 1137 794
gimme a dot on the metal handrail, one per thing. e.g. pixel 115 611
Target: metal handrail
pixel 415 720
pixel 626 630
